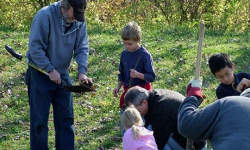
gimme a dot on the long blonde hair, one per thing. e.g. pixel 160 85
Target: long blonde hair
pixel 131 118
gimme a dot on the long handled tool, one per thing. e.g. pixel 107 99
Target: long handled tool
pixel 78 89
pixel 189 145
pixel 198 59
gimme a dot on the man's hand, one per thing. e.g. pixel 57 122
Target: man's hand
pixel 83 78
pixel 55 76
pixel 195 83
pixel 244 83
pixel 194 88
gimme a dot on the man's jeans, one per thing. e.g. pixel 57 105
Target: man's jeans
pixel 43 92
pixel 172 144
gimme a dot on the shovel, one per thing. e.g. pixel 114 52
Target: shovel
pixel 84 87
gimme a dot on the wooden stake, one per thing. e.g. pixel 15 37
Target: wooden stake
pixel 189 145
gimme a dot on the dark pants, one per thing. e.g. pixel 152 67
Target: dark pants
pixel 43 92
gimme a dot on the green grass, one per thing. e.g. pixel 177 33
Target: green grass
pixel 174 52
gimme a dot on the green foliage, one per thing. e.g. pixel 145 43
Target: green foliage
pixel 18 15
pixel 223 15
pixel 227 15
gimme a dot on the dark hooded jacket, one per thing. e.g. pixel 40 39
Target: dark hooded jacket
pixel 162 114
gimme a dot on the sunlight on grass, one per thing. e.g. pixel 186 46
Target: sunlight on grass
pixel 97 114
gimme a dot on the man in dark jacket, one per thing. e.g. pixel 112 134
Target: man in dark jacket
pixel 159 109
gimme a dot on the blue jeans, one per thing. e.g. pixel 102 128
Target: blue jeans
pixel 42 92
pixel 121 125
pixel 171 143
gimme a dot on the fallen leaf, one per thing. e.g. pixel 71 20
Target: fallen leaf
pixel 101 148
pixel 116 138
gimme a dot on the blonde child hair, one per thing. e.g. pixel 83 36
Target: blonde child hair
pixel 132 119
pixel 131 31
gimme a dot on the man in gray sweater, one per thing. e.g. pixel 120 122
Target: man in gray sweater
pixel 225 122
pixel 58 33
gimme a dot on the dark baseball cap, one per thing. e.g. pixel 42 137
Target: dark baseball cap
pixel 79 7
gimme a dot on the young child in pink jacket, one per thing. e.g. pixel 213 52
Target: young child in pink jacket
pixel 136 136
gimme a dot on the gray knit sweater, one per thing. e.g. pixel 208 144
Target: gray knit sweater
pixel 51 47
pixel 225 122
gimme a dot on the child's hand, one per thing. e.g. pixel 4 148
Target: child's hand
pixel 133 73
pixel 244 83
pixel 115 91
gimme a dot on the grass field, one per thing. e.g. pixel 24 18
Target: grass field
pixel 174 52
